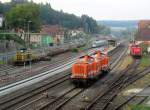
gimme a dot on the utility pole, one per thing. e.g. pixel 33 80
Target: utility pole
pixel 28 40
pixel 24 28
pixel 133 37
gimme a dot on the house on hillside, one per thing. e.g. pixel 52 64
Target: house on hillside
pixel 54 31
pixel 73 35
pixel 48 36
pixel 35 39
pixel 74 32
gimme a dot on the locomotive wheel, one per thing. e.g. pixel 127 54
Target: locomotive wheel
pixel 86 83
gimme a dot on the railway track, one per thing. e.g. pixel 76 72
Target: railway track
pixel 60 105
pixel 48 85
pixel 12 77
pixel 136 77
pixel 14 101
pixel 6 69
pixel 12 70
pixel 109 93
pixel 119 106
pixel 143 100
pixel 17 76
pixel 42 68
pixel 47 103
pixel 103 100
pixel 125 80
pixel 54 106
pixel 62 100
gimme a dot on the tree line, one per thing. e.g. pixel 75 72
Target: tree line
pixel 18 15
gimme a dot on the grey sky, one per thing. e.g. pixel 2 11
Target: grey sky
pixel 104 9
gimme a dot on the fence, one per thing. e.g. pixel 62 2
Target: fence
pixel 5 58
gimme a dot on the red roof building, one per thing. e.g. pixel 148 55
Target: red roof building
pixel 52 30
pixel 55 31
pixel 143 24
pixel 143 30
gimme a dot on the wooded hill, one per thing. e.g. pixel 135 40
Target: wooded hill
pixel 17 14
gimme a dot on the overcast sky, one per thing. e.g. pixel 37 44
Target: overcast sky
pixel 104 9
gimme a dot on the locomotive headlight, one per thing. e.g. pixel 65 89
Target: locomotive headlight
pixel 72 76
pixel 94 45
pixel 84 76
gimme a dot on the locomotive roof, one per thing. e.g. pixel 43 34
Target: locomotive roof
pixel 82 60
pixel 87 56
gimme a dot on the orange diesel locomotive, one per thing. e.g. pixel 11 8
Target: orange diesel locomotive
pixel 90 67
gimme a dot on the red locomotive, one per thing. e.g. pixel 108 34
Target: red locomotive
pixel 135 50
pixel 90 67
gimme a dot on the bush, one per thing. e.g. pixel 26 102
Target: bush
pixel 74 50
pixel 139 107
pixel 1 62
pixel 144 48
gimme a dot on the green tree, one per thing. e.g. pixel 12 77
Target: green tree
pixel 52 17
pixel 20 14
pixel 104 30
pixel 89 24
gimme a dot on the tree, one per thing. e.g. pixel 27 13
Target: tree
pixel 19 16
pixel 52 17
pixel 89 24
pixel 19 12
pixel 104 30
pixel 1 8
pixel 4 7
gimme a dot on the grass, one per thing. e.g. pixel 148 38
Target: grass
pixel 79 49
pixel 74 50
pixel 82 48
pixel 128 60
pixel 1 62
pixel 145 61
pixel 139 107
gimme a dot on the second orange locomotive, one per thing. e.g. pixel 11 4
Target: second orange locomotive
pixel 90 67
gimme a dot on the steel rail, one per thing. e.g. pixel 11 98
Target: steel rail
pixel 65 101
pixel 115 84
pixel 56 70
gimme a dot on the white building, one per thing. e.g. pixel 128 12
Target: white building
pixel 1 20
